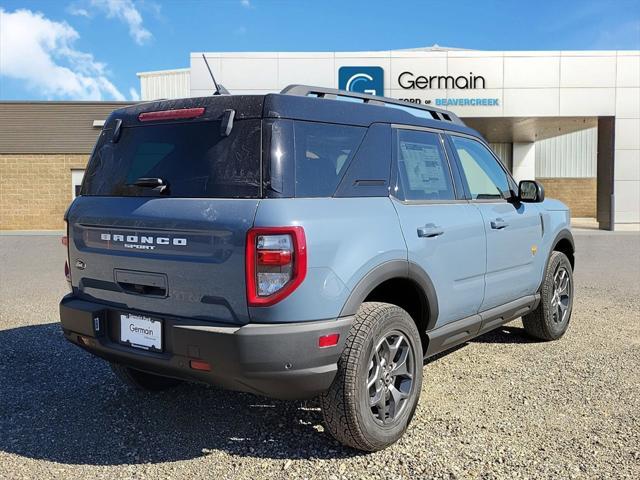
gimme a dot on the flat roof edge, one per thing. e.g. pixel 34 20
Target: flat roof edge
pixel 151 73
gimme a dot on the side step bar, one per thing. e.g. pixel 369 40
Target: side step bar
pixel 460 331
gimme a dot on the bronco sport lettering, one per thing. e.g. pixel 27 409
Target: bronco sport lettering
pixel 143 239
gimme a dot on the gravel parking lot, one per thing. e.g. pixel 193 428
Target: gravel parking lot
pixel 501 406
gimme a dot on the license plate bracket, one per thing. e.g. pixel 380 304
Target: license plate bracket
pixel 139 331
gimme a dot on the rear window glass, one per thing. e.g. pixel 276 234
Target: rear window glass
pixel 423 168
pixel 323 153
pixel 193 159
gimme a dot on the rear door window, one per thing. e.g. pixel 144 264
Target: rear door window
pixel 423 169
pixel 192 158
pixel 323 154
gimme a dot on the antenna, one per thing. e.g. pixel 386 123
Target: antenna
pixel 215 84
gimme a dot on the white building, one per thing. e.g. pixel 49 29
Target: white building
pixel 568 118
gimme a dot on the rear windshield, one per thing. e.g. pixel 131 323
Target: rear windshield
pixel 192 159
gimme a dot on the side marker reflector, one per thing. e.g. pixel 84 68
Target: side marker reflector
pixel 200 365
pixel 330 340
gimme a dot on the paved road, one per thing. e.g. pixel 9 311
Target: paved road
pixel 502 406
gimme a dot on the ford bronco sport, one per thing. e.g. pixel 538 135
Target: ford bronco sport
pixel 309 243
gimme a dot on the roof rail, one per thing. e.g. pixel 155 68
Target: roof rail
pixel 333 93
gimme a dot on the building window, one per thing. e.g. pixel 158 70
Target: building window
pixel 76 182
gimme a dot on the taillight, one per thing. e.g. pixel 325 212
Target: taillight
pixel 276 263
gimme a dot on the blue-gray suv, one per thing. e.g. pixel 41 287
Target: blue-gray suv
pixel 312 243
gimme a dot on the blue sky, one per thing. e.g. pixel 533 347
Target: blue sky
pixel 92 49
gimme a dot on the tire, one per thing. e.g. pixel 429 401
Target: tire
pixel 550 319
pixel 144 381
pixel 382 335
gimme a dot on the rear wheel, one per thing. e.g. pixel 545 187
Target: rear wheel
pixel 142 380
pixel 379 378
pixel 550 320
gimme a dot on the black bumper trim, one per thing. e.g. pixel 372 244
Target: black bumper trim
pixel 275 360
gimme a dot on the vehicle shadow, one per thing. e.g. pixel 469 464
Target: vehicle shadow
pixel 61 404
pixel 505 334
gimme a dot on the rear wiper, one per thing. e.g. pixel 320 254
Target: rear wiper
pixel 150 182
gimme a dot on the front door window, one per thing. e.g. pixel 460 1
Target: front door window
pixel 485 177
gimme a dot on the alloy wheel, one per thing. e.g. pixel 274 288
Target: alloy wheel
pixel 561 295
pixel 390 378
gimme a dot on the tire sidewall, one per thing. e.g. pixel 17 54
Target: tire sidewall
pixel 380 436
pixel 556 330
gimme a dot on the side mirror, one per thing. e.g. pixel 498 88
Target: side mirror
pixel 530 191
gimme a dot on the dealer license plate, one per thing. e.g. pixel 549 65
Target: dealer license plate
pixel 141 332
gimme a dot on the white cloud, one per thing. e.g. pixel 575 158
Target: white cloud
pixel 246 3
pixel 133 93
pixel 125 11
pixel 78 12
pixel 41 52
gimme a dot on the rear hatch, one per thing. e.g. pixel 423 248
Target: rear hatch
pixel 166 202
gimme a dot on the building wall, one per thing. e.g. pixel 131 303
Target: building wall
pixel 40 144
pixel 567 167
pixel 525 84
pixel 504 152
pixel 165 84
pixel 627 140
pixel 579 194
pixel 52 127
pixel 573 155
pixel 35 189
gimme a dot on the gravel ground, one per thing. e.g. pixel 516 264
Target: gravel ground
pixel 501 406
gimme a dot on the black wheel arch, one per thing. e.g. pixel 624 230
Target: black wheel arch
pixel 563 242
pixel 390 270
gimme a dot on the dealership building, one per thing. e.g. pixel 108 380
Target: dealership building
pixel 570 119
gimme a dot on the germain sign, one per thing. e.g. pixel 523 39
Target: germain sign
pixel 364 79
pixel 370 79
pixel 408 80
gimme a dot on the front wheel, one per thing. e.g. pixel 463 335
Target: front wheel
pixel 550 319
pixel 376 390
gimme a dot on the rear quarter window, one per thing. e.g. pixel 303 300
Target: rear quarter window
pixel 323 153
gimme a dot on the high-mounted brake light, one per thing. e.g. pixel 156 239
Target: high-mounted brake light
pixel 181 113
pixel 276 263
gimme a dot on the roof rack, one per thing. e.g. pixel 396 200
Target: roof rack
pixel 335 94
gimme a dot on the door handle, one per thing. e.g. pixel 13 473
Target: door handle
pixel 498 224
pixel 430 230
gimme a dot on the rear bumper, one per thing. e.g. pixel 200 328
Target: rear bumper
pixel 276 360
